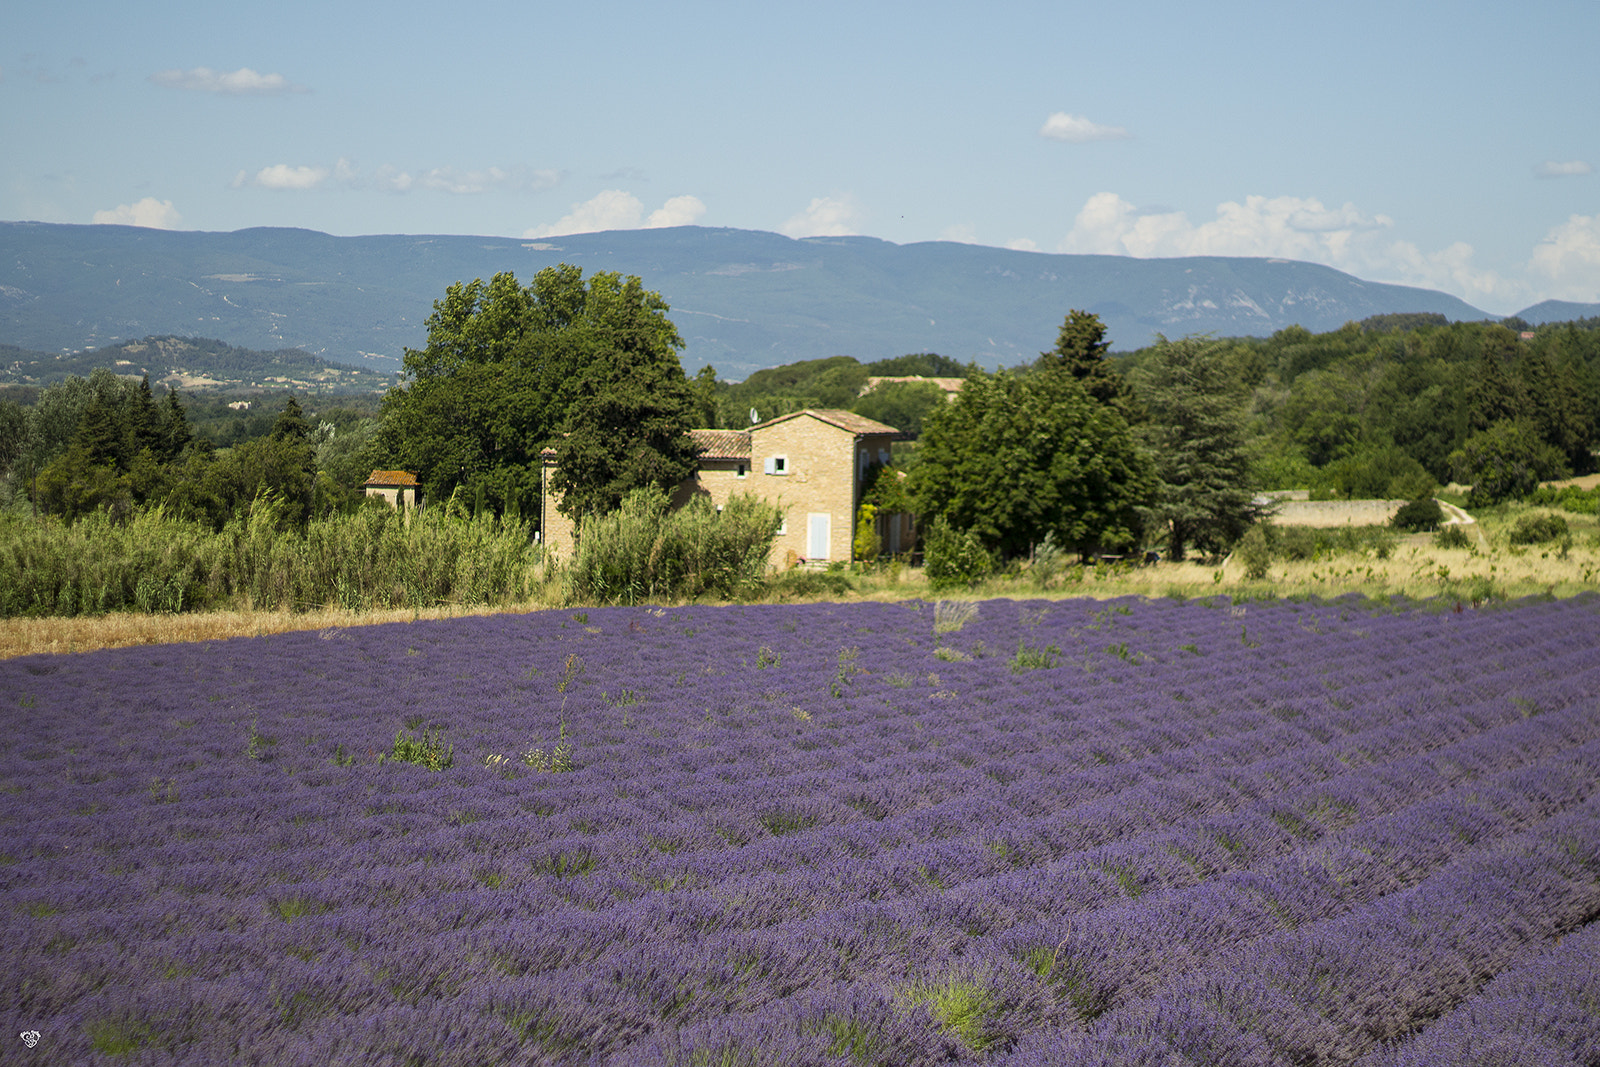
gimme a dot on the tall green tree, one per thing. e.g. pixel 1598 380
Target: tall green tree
pixel 1507 461
pixel 1196 431
pixel 1015 459
pixel 176 435
pixel 143 420
pixel 13 434
pixel 705 387
pixel 508 368
pixel 53 422
pixel 1559 408
pixel 1494 394
pixel 627 427
pixel 1081 349
pixel 291 424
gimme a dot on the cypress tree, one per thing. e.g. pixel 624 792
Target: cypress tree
pixel 1195 402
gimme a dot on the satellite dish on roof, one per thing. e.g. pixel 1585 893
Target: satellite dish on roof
pixel 754 418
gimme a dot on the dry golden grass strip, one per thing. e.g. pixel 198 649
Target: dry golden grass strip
pixel 27 637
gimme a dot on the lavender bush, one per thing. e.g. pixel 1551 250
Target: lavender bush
pixel 1178 832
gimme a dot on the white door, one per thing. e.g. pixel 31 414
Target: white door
pixel 819 528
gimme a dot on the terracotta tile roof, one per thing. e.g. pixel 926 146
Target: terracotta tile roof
pixel 722 444
pixel 391 478
pixel 848 421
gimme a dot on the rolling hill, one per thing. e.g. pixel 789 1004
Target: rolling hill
pixel 193 364
pixel 742 299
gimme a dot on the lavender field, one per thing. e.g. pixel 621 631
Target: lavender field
pixel 1128 832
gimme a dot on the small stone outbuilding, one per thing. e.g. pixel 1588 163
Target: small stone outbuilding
pixel 400 488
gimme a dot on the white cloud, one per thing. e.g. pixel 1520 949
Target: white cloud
pixel 492 179
pixel 1022 244
pixel 283 176
pixel 391 179
pixel 1286 227
pixel 1075 129
pixel 241 82
pixel 678 211
pixel 149 212
pixel 1572 168
pixel 1449 270
pixel 611 209
pixel 1570 257
pixel 450 180
pixel 962 233
pixel 614 209
pixel 825 216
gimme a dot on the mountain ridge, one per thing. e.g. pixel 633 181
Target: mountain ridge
pixel 742 299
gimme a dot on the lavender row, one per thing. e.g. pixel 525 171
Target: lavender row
pixel 1036 839
pixel 1328 992
pixel 764 835
pixel 1143 939
pixel 1540 1013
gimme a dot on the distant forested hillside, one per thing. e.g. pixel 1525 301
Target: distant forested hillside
pixel 1387 407
pixel 191 364
pixel 742 300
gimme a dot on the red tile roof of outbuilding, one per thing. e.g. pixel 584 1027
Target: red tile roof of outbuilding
pixel 390 478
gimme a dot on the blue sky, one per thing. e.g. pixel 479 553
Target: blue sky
pixel 1453 146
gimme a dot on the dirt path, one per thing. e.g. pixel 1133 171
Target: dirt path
pixel 1454 516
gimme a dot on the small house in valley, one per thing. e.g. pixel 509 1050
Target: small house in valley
pixel 812 464
pixel 400 488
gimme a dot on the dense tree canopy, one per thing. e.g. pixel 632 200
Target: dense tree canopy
pixel 1324 404
pixel 1506 460
pixel 839 382
pixel 1016 458
pixel 903 405
pixel 1196 402
pixel 588 366
pixel 107 443
pixel 103 442
pixel 1081 351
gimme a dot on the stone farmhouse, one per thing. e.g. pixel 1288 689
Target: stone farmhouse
pixel 811 463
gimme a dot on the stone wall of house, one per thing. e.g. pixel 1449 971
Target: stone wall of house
pixel 395 495
pixel 718 479
pixel 818 480
pixel 556 531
